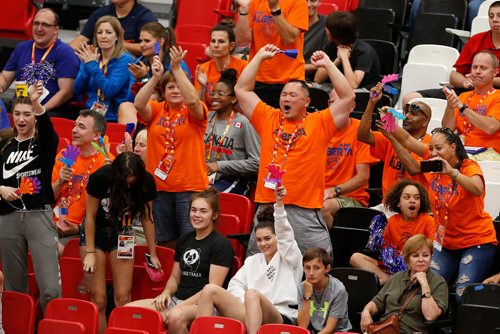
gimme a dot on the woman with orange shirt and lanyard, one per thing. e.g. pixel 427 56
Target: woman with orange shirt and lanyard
pixel 103 74
pixel 465 240
pixel 175 152
pixel 232 145
pixel 222 43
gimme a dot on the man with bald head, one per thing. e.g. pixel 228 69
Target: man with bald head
pixel 44 47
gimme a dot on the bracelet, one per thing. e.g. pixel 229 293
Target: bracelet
pixel 399 149
pixel 90 252
pixel 243 14
pixel 454 177
pixel 276 12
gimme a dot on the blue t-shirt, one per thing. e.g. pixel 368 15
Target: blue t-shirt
pixel 113 86
pixel 4 118
pixel 131 24
pixel 62 57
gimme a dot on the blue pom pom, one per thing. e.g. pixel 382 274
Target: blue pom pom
pixel 377 227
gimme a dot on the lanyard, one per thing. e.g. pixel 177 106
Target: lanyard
pixel 221 140
pixel 170 133
pixel 104 68
pixel 45 54
pixel 289 143
pixel 127 220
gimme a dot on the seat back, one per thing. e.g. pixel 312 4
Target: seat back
pixel 479 24
pixel 430 28
pixel 71 276
pixel 116 330
pixel 136 318
pixel 193 33
pixel 319 99
pixel 491 170
pixel 472 318
pixel 438 106
pixel 18 313
pixel 433 54
pixel 281 329
pixel 458 8
pixel 326 8
pixel 375 23
pixel 350 233
pixel 482 294
pixel 238 205
pixel 387 53
pixel 491 202
pixel 115 132
pixel 230 224
pixel 398 6
pixel 54 326
pixel 196 51
pixel 16 19
pixel 200 11
pixel 63 126
pixel 77 310
pixel 72 248
pixel 216 325
pixel 361 286
pixel 484 8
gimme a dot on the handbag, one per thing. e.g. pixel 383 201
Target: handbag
pixel 389 325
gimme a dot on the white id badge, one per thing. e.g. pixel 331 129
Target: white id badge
pixel 125 246
pixel 211 178
pixel 160 174
pixel 437 245
pixel 270 185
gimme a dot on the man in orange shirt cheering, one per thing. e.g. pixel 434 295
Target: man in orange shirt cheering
pixel 295 141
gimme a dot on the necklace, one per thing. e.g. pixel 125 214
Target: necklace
pixel 468 126
pixel 290 140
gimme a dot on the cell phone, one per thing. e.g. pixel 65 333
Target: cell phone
pixel 148 261
pixel 427 166
pixel 157 48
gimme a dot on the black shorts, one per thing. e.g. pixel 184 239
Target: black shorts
pixel 286 320
pixel 106 238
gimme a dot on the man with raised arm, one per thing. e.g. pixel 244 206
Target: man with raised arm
pixel 295 142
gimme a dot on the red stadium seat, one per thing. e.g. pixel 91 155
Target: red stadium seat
pixel 235 266
pixel 115 132
pixel 75 310
pixel 200 11
pixel 230 224
pixel 216 325
pixel 71 276
pixel 237 205
pixel 281 328
pixel 116 330
pixel 327 8
pixel 72 248
pixel 54 326
pixel 194 33
pixel 18 313
pixel 195 51
pixel 63 126
pixel 16 18
pixel 136 318
pixel 63 142
pixel 341 4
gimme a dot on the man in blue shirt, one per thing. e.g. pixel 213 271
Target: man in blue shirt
pixel 45 47
pixel 132 17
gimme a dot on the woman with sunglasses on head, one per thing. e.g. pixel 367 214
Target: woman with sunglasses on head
pixel 222 43
pixel 26 218
pixel 103 74
pixel 465 240
pixel 232 145
pixel 425 292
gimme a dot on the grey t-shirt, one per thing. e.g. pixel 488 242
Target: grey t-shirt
pixel 330 303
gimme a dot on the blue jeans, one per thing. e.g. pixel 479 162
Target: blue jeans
pixel 468 265
pixel 171 215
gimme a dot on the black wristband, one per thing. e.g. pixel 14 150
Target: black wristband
pixel 276 12
pixel 462 108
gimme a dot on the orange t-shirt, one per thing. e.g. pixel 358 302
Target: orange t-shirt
pixel 393 169
pixel 398 231
pixel 343 153
pixel 213 75
pixel 305 165
pixel 489 106
pixel 281 68
pixel 468 224
pixel 83 167
pixel 189 171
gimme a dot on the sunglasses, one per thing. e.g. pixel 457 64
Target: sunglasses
pixel 414 109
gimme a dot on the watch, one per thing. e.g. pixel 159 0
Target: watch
pixel 462 108
pixel 338 190
pixel 427 294
pixel 307 298
pixel 276 12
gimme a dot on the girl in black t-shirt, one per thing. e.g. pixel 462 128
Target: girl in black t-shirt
pixel 116 194
pixel 201 257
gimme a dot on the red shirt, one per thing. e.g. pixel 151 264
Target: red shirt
pixel 478 42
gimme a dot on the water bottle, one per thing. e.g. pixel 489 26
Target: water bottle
pixel 84 286
pixel 63 209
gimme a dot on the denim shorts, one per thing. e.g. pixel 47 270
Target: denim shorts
pixel 106 237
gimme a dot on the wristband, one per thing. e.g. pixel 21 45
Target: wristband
pixel 462 108
pixel 307 298
pixel 276 12
pixel 455 175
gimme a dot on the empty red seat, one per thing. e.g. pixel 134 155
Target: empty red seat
pixel 18 313
pixel 54 326
pixel 74 310
pixel 216 325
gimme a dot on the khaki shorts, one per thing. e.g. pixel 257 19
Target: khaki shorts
pixel 348 202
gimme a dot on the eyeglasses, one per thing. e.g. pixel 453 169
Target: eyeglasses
pixel 44 25
pixel 218 93
pixel 413 108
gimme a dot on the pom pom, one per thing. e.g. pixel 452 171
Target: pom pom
pixel 393 262
pixel 34 72
pixel 292 53
pixel 389 122
pixel 389 89
pixel 377 227
pixel 69 155
pixel 275 174
pixel 389 78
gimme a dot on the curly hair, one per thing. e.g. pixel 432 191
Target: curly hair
pixel 123 198
pixel 394 195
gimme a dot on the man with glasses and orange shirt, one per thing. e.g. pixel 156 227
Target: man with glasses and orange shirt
pixel 418 115
pixel 45 47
